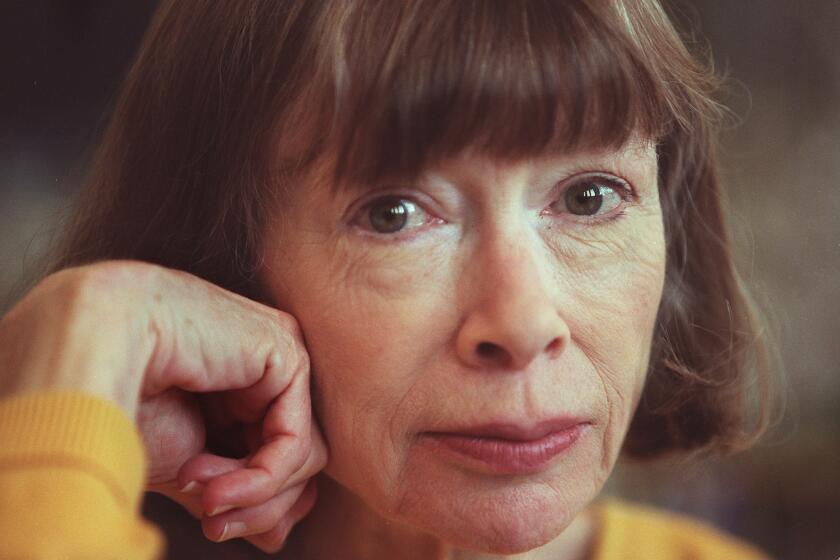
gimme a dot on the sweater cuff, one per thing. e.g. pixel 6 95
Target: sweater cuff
pixel 78 431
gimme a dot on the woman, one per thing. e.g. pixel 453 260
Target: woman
pixel 491 233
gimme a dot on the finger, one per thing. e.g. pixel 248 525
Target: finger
pixel 211 340
pixel 287 436
pixel 315 461
pixel 204 467
pixel 274 539
pixel 234 488
pixel 191 501
pixel 252 520
pixel 281 368
pixel 287 432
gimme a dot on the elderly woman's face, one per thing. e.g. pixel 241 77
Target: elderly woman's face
pixel 479 338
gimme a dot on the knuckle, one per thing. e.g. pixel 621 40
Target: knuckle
pixel 288 328
pixel 318 455
pixel 290 342
pixel 286 323
pixel 322 458
pixel 302 364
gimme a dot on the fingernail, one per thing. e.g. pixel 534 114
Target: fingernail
pixel 192 487
pixel 233 529
pixel 220 509
pixel 224 532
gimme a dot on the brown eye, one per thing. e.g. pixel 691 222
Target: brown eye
pixel 591 197
pixel 390 214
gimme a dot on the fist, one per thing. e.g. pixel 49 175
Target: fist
pixel 192 363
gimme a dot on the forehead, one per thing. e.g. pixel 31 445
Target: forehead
pixel 507 79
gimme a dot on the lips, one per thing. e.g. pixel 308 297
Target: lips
pixel 509 448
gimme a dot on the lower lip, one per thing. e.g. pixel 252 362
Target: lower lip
pixel 505 456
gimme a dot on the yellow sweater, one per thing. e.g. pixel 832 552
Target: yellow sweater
pixel 71 480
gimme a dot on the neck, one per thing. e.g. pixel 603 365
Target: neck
pixel 342 526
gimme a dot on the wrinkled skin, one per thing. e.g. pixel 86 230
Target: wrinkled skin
pixel 393 323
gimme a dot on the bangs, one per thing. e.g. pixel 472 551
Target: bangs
pixel 413 83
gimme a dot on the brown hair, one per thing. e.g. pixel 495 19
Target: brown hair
pixel 192 158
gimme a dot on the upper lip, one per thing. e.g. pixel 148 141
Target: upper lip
pixel 519 431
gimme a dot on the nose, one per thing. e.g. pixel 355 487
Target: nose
pixel 512 316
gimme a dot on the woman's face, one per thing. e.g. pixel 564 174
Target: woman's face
pixel 484 303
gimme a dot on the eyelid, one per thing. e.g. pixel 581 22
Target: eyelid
pixel 622 188
pixel 358 211
pixel 625 187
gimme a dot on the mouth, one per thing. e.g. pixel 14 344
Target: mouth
pixel 505 448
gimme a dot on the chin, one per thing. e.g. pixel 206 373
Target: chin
pixel 507 537
pixel 508 522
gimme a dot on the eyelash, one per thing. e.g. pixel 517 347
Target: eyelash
pixel 363 214
pixel 619 185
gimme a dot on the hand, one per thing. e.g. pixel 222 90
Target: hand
pixel 186 359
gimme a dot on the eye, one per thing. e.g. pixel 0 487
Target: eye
pixel 593 196
pixel 392 214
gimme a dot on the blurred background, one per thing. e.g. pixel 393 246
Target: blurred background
pixel 61 64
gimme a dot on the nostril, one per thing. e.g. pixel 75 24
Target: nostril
pixel 487 349
pixel 554 346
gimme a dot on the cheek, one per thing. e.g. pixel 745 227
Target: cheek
pixel 612 314
pixel 372 322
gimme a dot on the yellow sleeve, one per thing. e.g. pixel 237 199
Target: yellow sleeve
pixel 630 532
pixel 72 470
